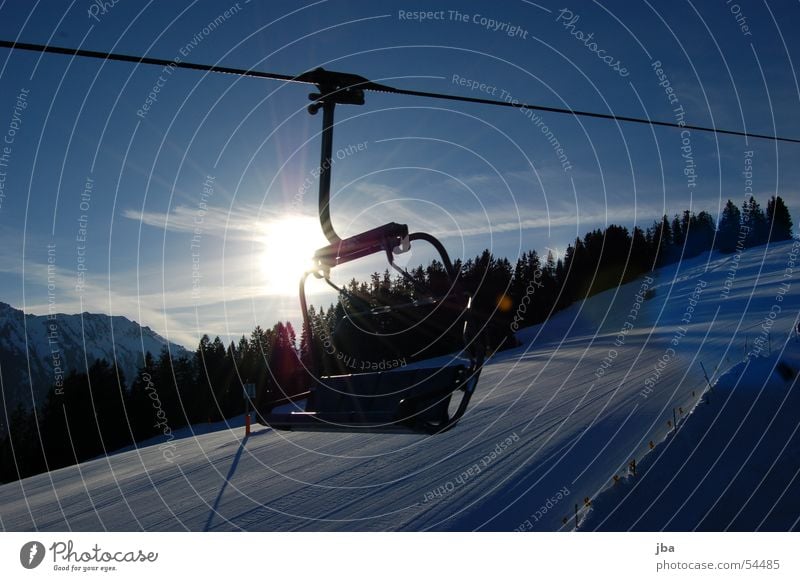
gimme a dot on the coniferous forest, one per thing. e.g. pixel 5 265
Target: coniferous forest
pixel 100 410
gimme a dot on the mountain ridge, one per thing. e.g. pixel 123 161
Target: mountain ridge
pixel 38 351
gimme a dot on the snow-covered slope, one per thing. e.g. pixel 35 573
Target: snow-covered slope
pixel 551 423
pixel 57 344
pixel 733 464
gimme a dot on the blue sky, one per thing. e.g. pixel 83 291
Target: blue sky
pixel 477 176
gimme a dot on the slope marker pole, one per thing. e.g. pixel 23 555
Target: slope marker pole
pixel 710 387
pixel 576 516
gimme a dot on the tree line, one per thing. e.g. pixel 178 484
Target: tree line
pixel 97 412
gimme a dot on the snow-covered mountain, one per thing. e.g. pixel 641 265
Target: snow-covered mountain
pixel 44 348
pixel 552 422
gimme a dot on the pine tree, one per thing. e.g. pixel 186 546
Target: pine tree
pixel 306 338
pixel 756 223
pixel 701 234
pixel 686 224
pixel 678 234
pixel 233 391
pixel 21 454
pixel 189 393
pixel 779 220
pixel 208 361
pixel 728 230
pixel 141 411
pixel 661 242
pixel 639 262
pixel 284 364
pixel 576 265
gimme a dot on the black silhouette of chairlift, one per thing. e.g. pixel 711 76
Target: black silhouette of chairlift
pixel 401 400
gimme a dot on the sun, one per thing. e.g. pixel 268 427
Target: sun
pixel 288 246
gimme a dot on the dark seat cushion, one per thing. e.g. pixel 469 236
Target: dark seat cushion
pixel 384 391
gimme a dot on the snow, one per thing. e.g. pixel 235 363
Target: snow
pixel 733 464
pixel 551 423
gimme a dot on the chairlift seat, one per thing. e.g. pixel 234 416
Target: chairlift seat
pixel 414 400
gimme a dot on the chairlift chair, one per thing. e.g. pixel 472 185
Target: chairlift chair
pixel 420 399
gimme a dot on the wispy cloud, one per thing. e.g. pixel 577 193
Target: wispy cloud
pixel 473 227
pixel 244 222
pixel 164 296
pixel 494 212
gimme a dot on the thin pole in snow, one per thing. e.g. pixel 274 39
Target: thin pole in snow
pixel 708 393
pixel 576 515
pixel 705 374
